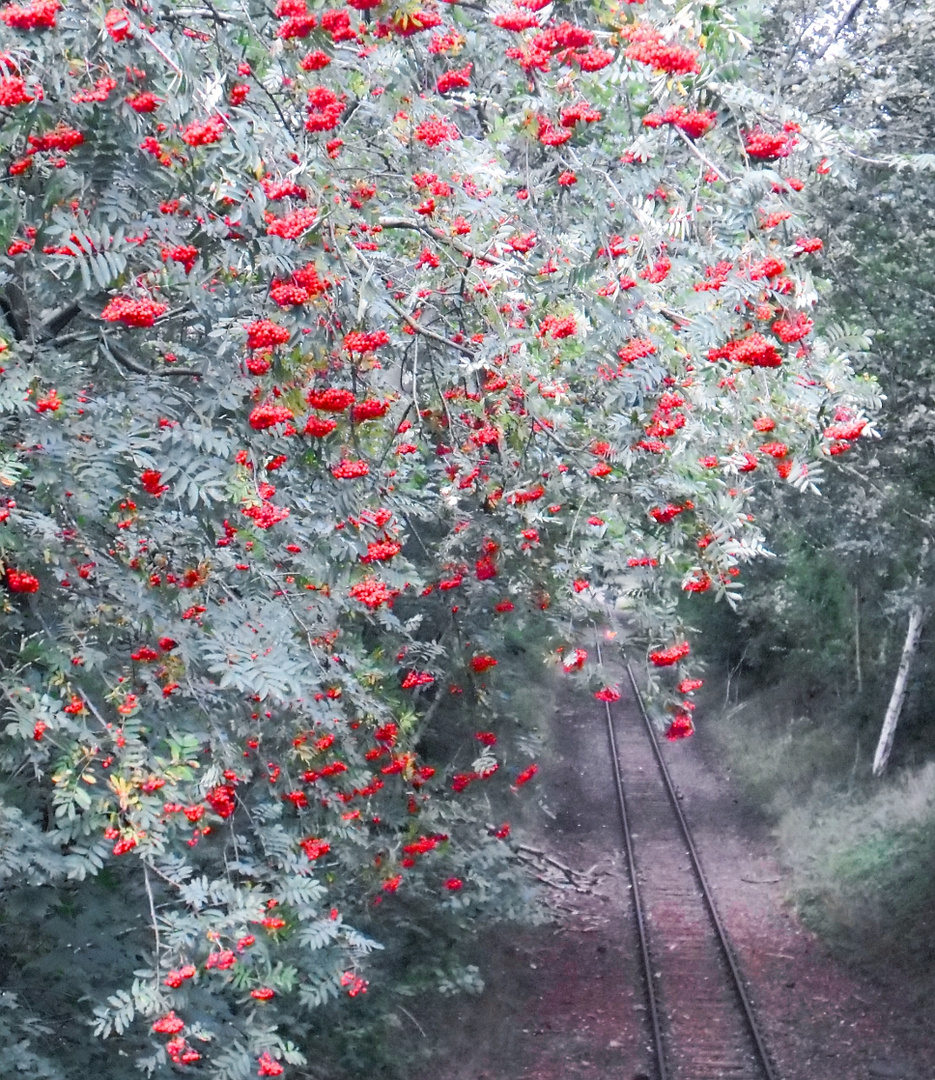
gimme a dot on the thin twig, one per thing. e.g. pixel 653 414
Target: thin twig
pixel 172 64
pixel 152 912
pixel 441 339
pixel 701 157
pixel 444 238
pixel 540 425
pixel 403 1009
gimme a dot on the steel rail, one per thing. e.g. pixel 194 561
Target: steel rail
pixel 661 1065
pixel 736 977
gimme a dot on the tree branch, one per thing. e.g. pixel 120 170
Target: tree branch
pixel 152 912
pixel 437 234
pixel 701 157
pixel 127 361
pixel 429 333
pixel 842 24
pixel 54 325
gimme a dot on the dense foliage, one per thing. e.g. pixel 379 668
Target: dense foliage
pixel 811 656
pixel 854 565
pixel 345 345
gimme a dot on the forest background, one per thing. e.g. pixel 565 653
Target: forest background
pixel 802 655
pixel 814 651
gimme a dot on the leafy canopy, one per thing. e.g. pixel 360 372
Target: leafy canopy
pixel 344 344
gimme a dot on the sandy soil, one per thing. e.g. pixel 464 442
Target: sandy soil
pixel 566 998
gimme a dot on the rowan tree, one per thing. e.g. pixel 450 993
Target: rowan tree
pixel 344 344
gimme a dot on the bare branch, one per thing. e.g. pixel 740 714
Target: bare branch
pixel 127 361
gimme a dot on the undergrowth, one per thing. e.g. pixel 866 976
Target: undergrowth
pixel 861 852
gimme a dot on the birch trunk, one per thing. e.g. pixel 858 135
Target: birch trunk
pixel 910 647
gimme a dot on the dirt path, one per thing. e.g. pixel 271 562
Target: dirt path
pixel 566 998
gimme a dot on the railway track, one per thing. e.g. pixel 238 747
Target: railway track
pixel 701 1019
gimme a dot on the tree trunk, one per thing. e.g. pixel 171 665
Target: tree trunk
pixel 857 663
pixel 910 647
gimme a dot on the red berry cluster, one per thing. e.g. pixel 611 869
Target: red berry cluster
pixel 549 135
pixel 268 415
pixel 266 515
pixel 151 481
pixel 39 15
pixel 330 400
pixel 298 22
pixel 556 327
pixel 144 655
pixel 517 21
pixel 671 655
pixel 454 79
pixel 20 582
pixel 50 403
pixel 526 775
pixel 170 1024
pixel 324 109
pixel 314 848
pixel 681 726
pixel 101 91
pixel 292 225
pixel 372 593
pixel 369 409
pixel 316 60
pixel 13 91
pixel 317 427
pixel 286 295
pixel 699 582
pixel 349 470
pixel 268 1066
pixel 580 113
pixel 381 550
pixel 649 47
pixel 144 103
pixel 263 334
pixel 636 349
pixel 185 254
pixel 766 147
pixel 203 133
pixel 61 138
pixel 436 131
pixel 693 123
pixel 360 342
pixel 669 512
pixel 482 663
pixel 417 678
pixel 657 272
pixel 594 58
pixel 753 349
pixel 221 799
pixel 130 312
pixel 117 23
pixel 794 328
pixel 520 498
